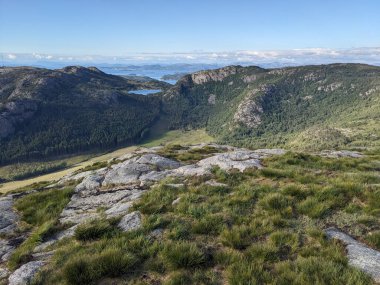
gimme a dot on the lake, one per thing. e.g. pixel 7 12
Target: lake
pixel 144 91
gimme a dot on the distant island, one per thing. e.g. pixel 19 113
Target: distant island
pixel 175 76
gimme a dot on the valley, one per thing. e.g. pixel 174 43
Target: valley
pixel 239 175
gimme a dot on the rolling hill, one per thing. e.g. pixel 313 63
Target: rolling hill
pixel 46 113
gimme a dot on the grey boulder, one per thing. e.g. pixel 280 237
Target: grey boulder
pixel 131 221
pixel 25 274
pixel 359 255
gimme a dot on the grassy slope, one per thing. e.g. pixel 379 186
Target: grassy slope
pixel 263 227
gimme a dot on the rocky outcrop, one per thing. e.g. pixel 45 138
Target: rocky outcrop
pixel 131 221
pixel 132 170
pixel 249 111
pixel 8 217
pixel 25 274
pixel 6 249
pixel 55 238
pixel 115 189
pixel 340 153
pixel 202 77
pixel 81 208
pixel 359 255
pixel 111 191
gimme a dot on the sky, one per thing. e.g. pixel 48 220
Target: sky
pixel 200 30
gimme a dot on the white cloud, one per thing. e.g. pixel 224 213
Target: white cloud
pixel 246 57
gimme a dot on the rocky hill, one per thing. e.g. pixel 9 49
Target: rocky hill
pixel 307 107
pixel 53 112
pixel 200 214
pixel 50 112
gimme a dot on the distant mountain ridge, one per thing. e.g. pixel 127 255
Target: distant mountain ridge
pixel 50 112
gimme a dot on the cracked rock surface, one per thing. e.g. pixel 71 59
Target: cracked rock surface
pixel 359 255
pixel 8 217
pixel 115 188
pixel 24 274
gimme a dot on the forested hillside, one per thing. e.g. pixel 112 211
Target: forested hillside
pixel 309 107
pixel 53 112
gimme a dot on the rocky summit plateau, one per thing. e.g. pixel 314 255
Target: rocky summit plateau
pixel 172 212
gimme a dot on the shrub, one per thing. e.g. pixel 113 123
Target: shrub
pixel 318 270
pixel 180 230
pixel 247 273
pixel 276 203
pixel 94 230
pixel 38 208
pixel 23 253
pixel 208 225
pixel 276 173
pixel 238 237
pixel 114 262
pixel 80 271
pixel 313 208
pixel 282 239
pixel 262 251
pixel 295 191
pixel 374 239
pixel 179 255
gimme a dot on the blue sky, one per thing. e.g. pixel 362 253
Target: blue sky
pixel 117 28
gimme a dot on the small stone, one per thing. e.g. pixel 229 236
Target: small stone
pixel 175 185
pixel 215 183
pixel 131 221
pixel 176 201
pixel 157 234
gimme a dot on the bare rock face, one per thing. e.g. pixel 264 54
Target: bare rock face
pixel 90 183
pixel 270 151
pixel 131 170
pixel 99 189
pixel 212 99
pixel 241 159
pixel 8 217
pixel 359 255
pixel 340 153
pixel 83 208
pixel 6 250
pixel 115 189
pixel 214 75
pixel 25 274
pixel 131 221
pixel 249 111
